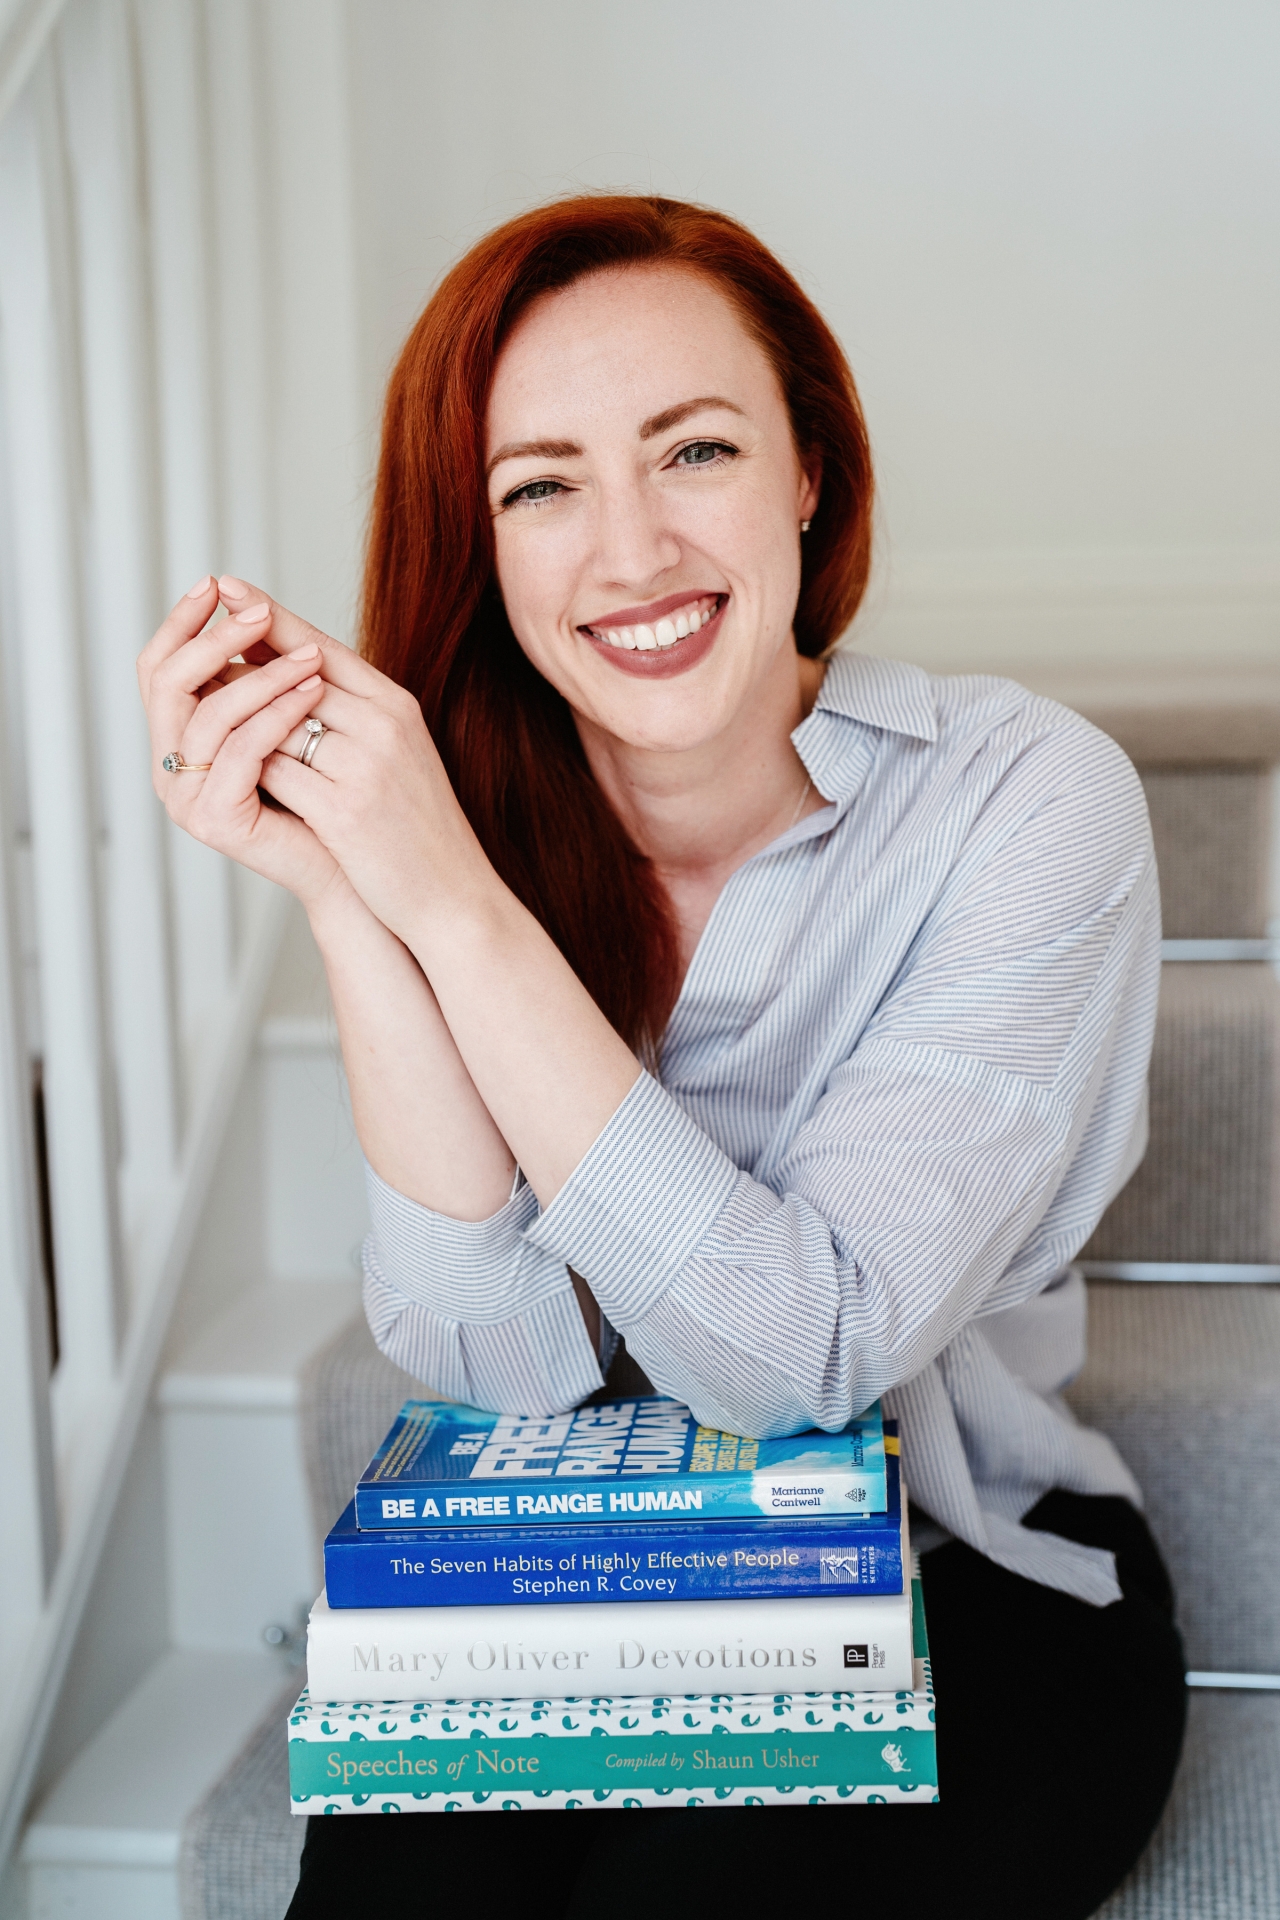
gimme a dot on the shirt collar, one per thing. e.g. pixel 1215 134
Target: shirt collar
pixel 857 693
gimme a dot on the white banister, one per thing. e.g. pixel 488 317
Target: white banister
pixel 175 117
pixel 25 26
pixel 147 434
pixel 27 1500
pixel 126 596
pixel 240 112
pixel 45 508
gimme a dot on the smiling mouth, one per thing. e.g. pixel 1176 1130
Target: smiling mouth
pixel 659 636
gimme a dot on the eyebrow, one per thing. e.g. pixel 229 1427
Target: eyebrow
pixel 672 416
pixel 535 450
pixel 570 450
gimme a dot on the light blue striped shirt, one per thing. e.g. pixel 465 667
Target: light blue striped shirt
pixel 905 1075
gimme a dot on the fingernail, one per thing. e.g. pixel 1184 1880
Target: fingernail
pixel 252 615
pixel 231 588
pixel 200 588
pixel 303 685
pixel 302 653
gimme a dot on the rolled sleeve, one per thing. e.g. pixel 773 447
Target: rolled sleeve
pixel 475 1308
pixel 638 1204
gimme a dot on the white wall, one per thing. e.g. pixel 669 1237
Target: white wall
pixel 1046 234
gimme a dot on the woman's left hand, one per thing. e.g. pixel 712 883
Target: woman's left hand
pixel 375 792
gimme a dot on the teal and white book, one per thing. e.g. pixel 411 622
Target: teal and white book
pixel 449 1466
pixel 575 1751
pixel 631 1646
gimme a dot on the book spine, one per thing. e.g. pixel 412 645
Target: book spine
pixel 651 1750
pixel 673 1496
pixel 506 1773
pixel 443 1653
pixel 613 1565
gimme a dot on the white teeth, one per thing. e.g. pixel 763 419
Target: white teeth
pixel 664 633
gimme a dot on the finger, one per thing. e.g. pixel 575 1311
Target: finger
pixel 341 666
pixel 334 755
pixel 337 708
pixel 288 630
pixel 211 652
pixel 293 786
pixel 176 681
pixel 181 624
pixel 238 766
pixel 231 705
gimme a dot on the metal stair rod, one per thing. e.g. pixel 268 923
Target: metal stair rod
pixel 1237 1682
pixel 1200 1272
pixel 1268 950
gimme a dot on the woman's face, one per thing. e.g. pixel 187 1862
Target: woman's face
pixel 647 499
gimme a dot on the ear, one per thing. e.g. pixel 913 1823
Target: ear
pixel 810 486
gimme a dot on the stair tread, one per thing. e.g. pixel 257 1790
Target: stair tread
pixel 254 1353
pixel 125 1796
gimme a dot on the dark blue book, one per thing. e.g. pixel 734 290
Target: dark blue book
pixel 448 1467
pixel 620 1561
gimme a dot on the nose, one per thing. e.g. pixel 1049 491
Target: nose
pixel 635 542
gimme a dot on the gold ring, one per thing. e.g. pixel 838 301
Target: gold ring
pixel 174 763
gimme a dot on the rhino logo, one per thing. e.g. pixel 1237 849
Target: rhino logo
pixel 892 1757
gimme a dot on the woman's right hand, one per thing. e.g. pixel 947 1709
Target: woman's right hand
pixel 225 721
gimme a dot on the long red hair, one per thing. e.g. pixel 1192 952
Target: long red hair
pixel 433 618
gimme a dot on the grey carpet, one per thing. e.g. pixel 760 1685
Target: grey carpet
pixel 1184 1379
pixel 1178 720
pixel 240 1845
pixel 1216 1853
pixel 350 1394
pixel 1212 829
pixel 1209 1188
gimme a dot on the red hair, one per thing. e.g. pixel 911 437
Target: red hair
pixel 433 618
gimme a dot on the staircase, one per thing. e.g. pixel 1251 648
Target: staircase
pixel 272 1282
pixel 272 1395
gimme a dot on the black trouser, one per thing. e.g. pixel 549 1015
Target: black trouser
pixel 1051 1779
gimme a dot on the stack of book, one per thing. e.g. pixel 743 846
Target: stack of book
pixel 615 1607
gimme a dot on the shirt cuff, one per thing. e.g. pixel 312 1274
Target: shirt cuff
pixel 638 1204
pixel 468 1270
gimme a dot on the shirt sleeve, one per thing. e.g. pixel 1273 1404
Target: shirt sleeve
pixel 474 1308
pixel 955 1161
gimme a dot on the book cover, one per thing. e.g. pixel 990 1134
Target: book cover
pixel 609 1562
pixel 444 1465
pixel 574 1752
pixel 634 1646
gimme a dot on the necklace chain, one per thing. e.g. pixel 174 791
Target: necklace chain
pixel 804 795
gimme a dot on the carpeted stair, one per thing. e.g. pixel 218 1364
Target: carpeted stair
pixel 1185 1377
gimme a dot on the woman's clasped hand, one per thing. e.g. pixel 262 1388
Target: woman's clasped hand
pixel 373 808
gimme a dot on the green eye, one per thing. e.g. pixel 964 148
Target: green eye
pixel 536 490
pixel 703 453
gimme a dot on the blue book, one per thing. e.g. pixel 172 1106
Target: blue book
pixel 615 1561
pixel 444 1465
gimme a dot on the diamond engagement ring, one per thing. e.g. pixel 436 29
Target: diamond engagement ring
pixel 174 763
pixel 316 731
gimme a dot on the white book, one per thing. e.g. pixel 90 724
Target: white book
pixel 847 1641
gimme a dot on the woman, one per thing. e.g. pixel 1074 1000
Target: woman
pixel 785 1013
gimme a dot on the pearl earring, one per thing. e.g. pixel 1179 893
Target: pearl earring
pixel 805 525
